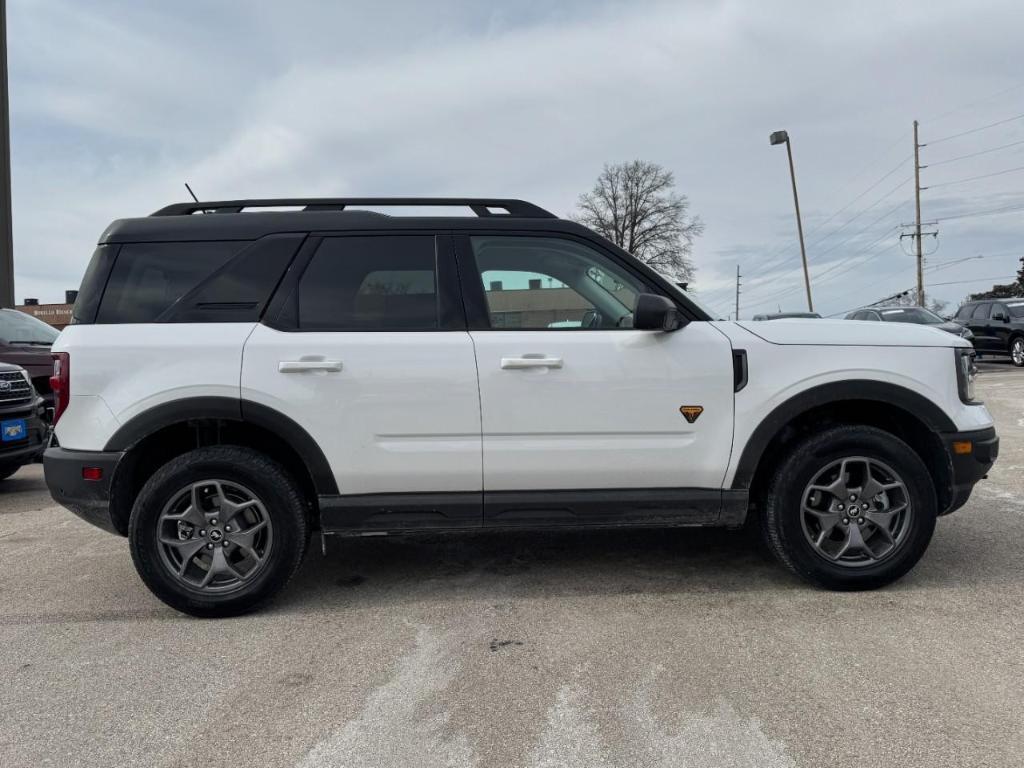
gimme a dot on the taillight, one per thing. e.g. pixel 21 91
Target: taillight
pixel 60 383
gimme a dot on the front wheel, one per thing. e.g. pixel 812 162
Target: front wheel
pixel 850 508
pixel 1017 351
pixel 218 531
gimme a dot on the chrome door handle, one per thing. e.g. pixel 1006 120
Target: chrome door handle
pixel 298 366
pixel 530 361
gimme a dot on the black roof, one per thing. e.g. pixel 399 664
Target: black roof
pixel 232 219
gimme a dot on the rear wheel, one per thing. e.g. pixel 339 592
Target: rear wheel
pixel 851 508
pixel 1017 351
pixel 218 531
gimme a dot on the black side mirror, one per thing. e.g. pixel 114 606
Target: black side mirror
pixel 656 313
pixel 1002 317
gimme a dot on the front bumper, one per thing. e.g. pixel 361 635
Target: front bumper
pixel 31 448
pixel 89 499
pixel 969 466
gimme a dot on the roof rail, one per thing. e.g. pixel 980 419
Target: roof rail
pixel 482 207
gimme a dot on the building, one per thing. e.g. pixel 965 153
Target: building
pixel 57 315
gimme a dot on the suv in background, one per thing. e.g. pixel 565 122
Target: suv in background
pixel 355 374
pixel 25 341
pixel 917 315
pixel 22 429
pixel 997 326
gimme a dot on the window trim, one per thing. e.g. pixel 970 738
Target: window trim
pixel 475 297
pixel 283 310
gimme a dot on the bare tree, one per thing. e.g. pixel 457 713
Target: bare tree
pixel 637 207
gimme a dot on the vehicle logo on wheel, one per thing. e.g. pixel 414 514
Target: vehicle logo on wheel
pixel 691 412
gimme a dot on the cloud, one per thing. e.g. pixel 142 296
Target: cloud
pixel 116 104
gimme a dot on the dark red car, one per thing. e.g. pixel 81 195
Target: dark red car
pixel 25 341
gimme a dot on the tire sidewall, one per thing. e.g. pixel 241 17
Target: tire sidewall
pixel 267 480
pixel 784 506
pixel 1014 341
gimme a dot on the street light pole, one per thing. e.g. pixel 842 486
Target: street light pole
pixel 782 137
pixel 6 239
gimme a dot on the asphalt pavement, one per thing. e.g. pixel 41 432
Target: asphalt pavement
pixel 650 648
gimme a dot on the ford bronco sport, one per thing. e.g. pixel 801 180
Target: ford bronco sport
pixel 337 371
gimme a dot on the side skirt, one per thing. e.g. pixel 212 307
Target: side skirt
pixel 392 513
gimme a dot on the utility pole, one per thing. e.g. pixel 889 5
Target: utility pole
pixel 6 238
pixel 737 291
pixel 917 221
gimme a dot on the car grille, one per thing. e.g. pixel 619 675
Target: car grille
pixel 13 388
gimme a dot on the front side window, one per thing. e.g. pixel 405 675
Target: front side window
pixel 376 283
pixel 541 283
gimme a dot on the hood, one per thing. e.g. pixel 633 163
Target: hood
pixel 860 333
pixel 950 327
pixel 36 359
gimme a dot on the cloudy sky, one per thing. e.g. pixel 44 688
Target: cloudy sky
pixel 115 104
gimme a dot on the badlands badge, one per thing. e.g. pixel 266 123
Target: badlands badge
pixel 691 412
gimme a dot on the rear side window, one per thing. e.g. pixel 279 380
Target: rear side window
pixel 377 283
pixel 148 278
pixel 964 312
pixel 981 312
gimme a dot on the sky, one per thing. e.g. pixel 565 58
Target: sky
pixel 116 104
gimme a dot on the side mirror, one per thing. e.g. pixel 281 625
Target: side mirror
pixel 655 313
pixel 1002 317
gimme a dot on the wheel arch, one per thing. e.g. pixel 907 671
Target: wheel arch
pixel 895 409
pixel 158 434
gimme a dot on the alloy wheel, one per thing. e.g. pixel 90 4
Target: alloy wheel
pixel 856 512
pixel 214 536
pixel 1017 351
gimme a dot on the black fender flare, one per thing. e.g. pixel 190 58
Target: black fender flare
pixel 916 405
pixel 230 409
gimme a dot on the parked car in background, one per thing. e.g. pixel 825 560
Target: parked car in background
pixel 997 326
pixel 22 429
pixel 787 315
pixel 25 341
pixel 916 315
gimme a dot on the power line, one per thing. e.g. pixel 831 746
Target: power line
pixel 970 104
pixel 975 154
pixel 975 178
pixel 974 130
pixel 973 214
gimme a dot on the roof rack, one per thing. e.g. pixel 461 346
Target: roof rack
pixel 482 207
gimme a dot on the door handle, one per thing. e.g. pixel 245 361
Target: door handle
pixel 530 361
pixel 298 366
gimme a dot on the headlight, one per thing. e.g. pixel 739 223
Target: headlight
pixel 966 371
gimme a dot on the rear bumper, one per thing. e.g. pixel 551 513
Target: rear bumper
pixel 89 499
pixel 970 466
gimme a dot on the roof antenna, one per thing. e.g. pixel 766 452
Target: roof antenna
pixel 196 199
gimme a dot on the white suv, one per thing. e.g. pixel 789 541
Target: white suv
pixel 236 380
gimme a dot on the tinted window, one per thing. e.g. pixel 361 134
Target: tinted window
pixel 147 278
pixel 981 312
pixel 917 315
pixel 371 283
pixel 1016 308
pixel 93 283
pixel 539 283
pixel 964 312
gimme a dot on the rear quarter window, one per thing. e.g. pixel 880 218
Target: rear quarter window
pixel 147 278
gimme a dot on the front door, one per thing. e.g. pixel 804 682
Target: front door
pixel 585 419
pixel 375 365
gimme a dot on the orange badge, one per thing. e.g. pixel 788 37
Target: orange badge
pixel 691 412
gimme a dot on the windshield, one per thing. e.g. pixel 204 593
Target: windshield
pixel 918 315
pixel 18 328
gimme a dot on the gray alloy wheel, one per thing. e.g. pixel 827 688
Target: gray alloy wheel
pixel 856 512
pixel 214 536
pixel 1017 351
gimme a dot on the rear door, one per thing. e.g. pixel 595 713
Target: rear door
pixel 979 325
pixel 586 420
pixel 369 353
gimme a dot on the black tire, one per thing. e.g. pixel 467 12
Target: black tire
pixel 782 523
pixel 280 497
pixel 1016 359
pixel 6 470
